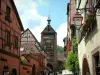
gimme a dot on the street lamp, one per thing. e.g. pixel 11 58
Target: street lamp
pixel 77 20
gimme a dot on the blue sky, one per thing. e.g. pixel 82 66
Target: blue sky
pixel 57 11
pixel 34 14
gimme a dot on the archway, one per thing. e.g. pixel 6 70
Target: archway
pixel 14 72
pixel 50 66
pixel 33 70
pixel 85 67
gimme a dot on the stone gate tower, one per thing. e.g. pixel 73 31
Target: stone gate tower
pixel 49 43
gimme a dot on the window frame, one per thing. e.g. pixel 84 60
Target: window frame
pixel 0 4
pixel 51 58
pixel 95 3
pixel 8 11
pixel 7 37
pixel 16 42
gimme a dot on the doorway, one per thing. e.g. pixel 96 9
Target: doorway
pixel 14 72
pixel 96 63
pixel 85 68
pixel 33 70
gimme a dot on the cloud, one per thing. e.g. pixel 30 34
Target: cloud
pixel 61 34
pixel 41 2
pixel 29 14
pixel 30 17
pixel 38 29
pixel 34 21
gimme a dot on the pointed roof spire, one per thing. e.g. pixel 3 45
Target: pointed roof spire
pixel 49 20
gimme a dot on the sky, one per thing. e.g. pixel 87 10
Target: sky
pixel 34 14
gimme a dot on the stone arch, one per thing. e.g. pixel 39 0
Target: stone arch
pixel 85 66
pixel 50 66
pixel 14 71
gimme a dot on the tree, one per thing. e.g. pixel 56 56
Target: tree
pixel 72 62
pixel 59 50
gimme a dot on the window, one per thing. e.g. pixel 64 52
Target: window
pixel 48 41
pixel 0 4
pixel 7 17
pixel 33 70
pixel 0 7
pixel 7 38
pixel 36 57
pixel 96 3
pixel 48 46
pixel 97 63
pixel 51 58
pixel 16 42
pixel 28 60
pixel 8 11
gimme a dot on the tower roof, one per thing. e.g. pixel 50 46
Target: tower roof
pixel 49 20
pixel 48 28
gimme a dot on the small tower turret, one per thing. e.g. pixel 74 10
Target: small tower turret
pixel 49 20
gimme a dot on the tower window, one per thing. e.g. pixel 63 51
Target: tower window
pixel 48 27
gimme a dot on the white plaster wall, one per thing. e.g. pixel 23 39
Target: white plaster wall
pixel 83 2
pixel 93 43
pixel 81 52
pixel 88 48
